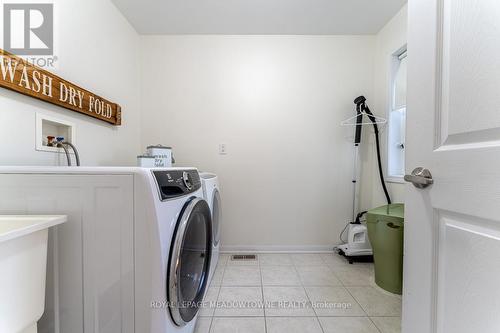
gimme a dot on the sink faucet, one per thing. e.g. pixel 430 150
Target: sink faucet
pixel 62 144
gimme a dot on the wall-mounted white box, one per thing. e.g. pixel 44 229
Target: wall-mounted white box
pixel 51 126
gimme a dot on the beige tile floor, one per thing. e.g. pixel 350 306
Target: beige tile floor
pixel 297 293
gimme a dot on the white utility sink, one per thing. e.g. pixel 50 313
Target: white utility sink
pixel 23 263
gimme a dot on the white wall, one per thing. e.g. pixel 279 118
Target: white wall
pixel 389 40
pixel 97 49
pixel 277 102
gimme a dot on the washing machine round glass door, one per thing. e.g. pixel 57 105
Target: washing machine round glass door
pixel 216 216
pixel 189 262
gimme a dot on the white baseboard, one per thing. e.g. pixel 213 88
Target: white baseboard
pixel 277 248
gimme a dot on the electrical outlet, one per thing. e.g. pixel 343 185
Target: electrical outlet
pixel 222 149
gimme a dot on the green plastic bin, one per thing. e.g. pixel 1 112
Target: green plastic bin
pixel 385 230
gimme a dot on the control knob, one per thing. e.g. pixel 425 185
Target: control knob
pixel 186 178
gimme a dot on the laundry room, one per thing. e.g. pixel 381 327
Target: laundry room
pixel 248 166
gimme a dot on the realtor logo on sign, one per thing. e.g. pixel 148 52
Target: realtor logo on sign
pixel 29 29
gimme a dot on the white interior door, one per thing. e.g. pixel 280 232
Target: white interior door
pixel 452 230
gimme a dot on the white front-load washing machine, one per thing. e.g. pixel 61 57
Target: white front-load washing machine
pixel 134 256
pixel 211 194
pixel 173 255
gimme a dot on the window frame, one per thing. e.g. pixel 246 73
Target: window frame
pixel 395 60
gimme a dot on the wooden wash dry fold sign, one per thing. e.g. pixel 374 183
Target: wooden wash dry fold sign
pixel 19 75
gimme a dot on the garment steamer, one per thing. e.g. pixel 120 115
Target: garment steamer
pixel 357 246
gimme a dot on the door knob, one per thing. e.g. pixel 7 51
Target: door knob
pixel 420 178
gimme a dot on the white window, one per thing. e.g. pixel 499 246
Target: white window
pixel 397 118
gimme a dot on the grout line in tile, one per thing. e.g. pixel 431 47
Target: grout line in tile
pixel 242 286
pixel 218 295
pixel 345 316
pixel 262 293
pixel 239 316
pixel 320 325
pixel 378 329
pixel 242 317
pixel 355 300
pixel 290 316
pixel 211 322
pixel 308 298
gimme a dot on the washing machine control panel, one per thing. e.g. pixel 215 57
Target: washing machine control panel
pixel 176 183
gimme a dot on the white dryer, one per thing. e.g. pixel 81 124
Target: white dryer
pixel 173 255
pixel 212 196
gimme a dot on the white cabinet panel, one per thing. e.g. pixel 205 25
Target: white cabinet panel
pixel 90 259
pixel 108 256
